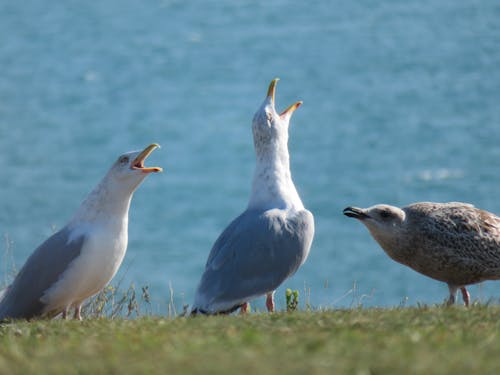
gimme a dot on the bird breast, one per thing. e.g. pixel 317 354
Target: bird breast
pixel 101 256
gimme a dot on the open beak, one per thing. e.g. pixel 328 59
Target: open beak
pixel 355 212
pixel 138 162
pixel 271 92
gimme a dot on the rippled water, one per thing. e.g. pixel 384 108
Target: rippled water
pixel 401 104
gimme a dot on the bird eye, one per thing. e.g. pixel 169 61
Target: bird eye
pixel 385 214
pixel 124 160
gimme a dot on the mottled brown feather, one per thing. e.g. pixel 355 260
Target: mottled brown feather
pixel 453 242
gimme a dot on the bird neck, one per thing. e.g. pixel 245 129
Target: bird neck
pixel 272 185
pixel 395 245
pixel 108 204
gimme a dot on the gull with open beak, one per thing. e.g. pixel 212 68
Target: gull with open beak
pixel 268 242
pixel 81 259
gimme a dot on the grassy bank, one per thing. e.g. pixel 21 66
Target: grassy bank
pixel 365 341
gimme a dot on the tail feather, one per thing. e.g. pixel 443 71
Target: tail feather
pixel 199 311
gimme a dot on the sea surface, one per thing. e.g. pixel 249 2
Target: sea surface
pixel 401 104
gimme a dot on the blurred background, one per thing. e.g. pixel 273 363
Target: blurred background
pixel 401 104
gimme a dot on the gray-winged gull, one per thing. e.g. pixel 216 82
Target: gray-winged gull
pixel 268 242
pixel 79 260
pixel 451 242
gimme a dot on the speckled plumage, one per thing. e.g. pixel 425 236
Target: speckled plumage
pixel 451 242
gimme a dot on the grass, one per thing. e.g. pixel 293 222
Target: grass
pixel 120 335
pixel 420 340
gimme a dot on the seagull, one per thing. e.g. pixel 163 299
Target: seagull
pixel 79 260
pixel 451 242
pixel 271 239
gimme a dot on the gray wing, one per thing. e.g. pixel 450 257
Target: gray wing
pixel 254 255
pixel 42 269
pixel 466 238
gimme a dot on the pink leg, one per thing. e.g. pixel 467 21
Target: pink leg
pixel 465 295
pixel 270 302
pixel 244 308
pixel 78 311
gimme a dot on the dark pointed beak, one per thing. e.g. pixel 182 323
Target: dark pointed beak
pixel 355 212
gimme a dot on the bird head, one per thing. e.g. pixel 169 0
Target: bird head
pixel 268 125
pixel 129 169
pixel 383 221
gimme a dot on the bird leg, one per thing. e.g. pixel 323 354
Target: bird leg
pixel 244 308
pixel 65 313
pixel 78 310
pixel 453 292
pixel 270 302
pixel 465 296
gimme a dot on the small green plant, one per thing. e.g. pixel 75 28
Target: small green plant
pixel 292 299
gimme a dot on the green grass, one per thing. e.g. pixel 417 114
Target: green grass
pixel 421 340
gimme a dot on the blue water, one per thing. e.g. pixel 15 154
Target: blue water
pixel 401 104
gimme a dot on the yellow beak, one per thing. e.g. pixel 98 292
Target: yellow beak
pixel 138 162
pixel 288 112
pixel 271 92
pixel 272 89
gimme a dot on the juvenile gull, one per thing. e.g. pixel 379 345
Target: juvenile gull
pixel 451 242
pixel 268 242
pixel 79 260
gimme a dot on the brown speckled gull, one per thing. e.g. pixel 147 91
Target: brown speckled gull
pixel 451 242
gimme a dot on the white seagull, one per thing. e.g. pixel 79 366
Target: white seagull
pixel 79 260
pixel 451 242
pixel 268 242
